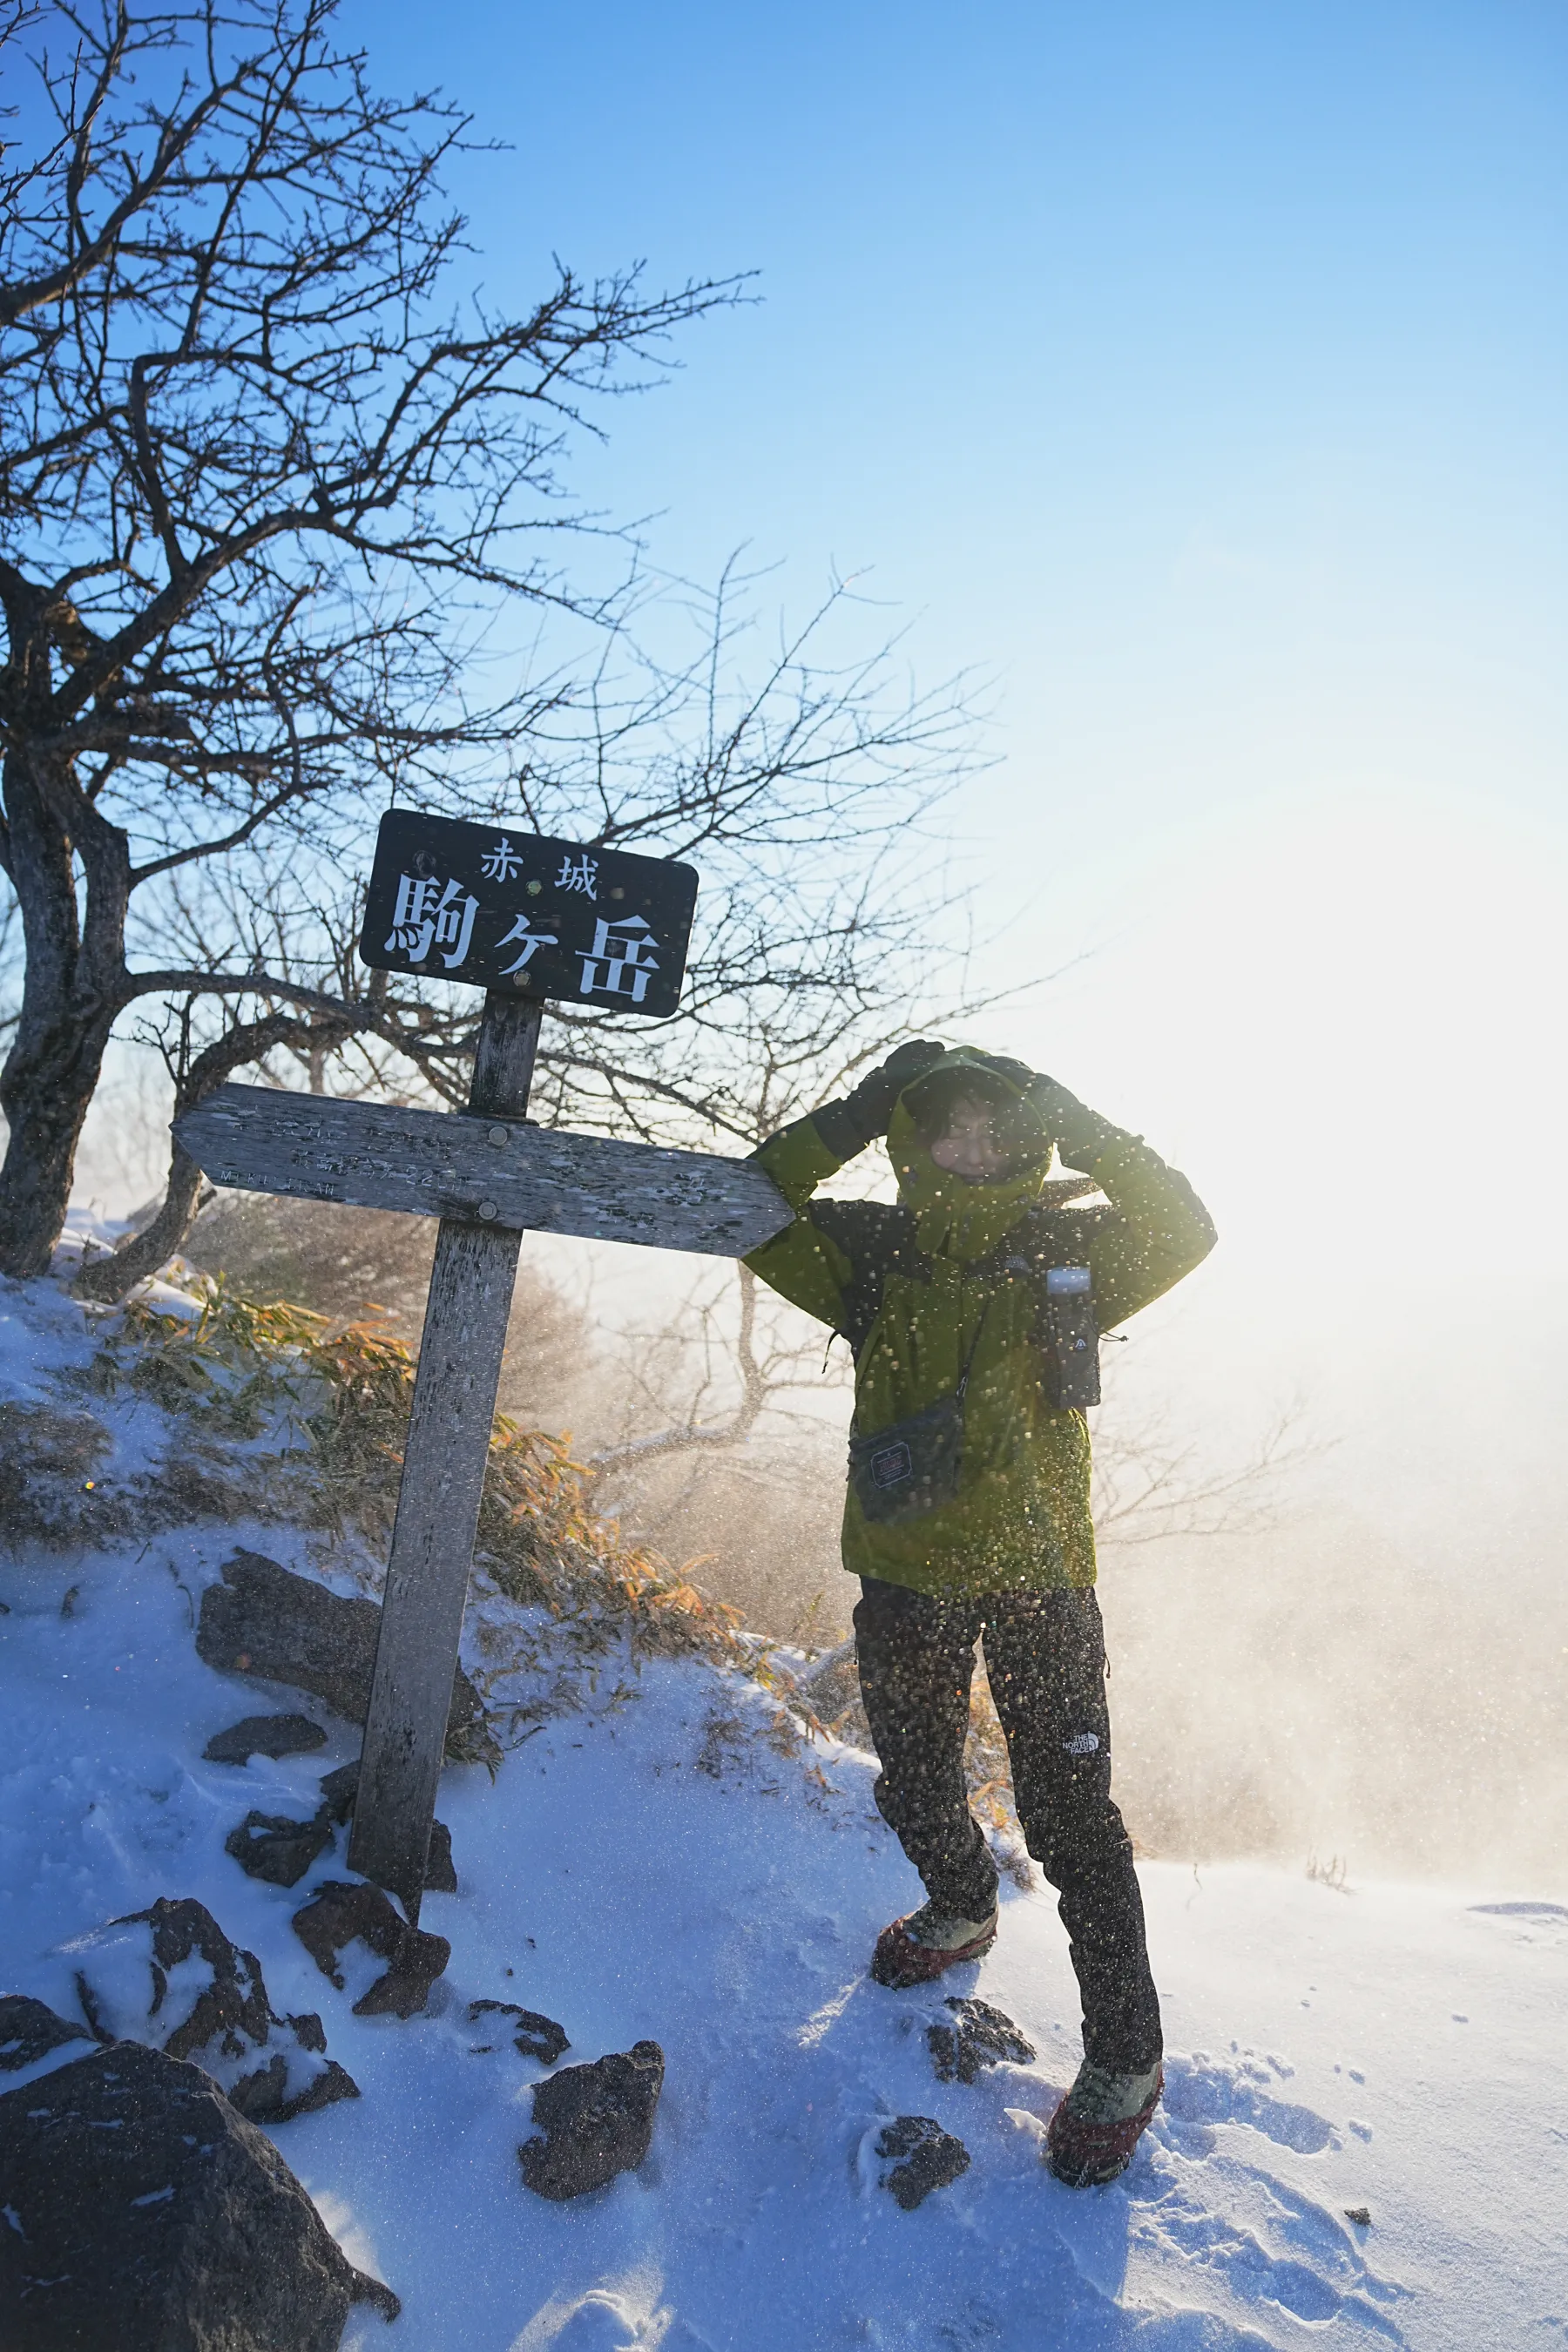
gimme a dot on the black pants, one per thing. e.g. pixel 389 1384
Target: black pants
pixel 1045 1655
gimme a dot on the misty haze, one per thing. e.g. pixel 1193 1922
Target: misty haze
pixel 1316 1612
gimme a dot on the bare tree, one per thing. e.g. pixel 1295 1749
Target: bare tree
pixel 1151 1485
pixel 803 775
pixel 729 1367
pixel 265 508
pixel 195 1074
pixel 260 484
pixel 724 1434
pixel 803 784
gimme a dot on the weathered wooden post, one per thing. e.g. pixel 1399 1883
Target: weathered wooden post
pixel 465 1313
pixel 444 889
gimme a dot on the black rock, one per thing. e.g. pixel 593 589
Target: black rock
pixel 440 1870
pixel 342 1914
pixel 277 1847
pixel 264 1735
pixel 147 2214
pixel 339 1791
pixel 922 2158
pixel 29 2030
pixel 596 2120
pixel 232 2007
pixel 268 2065
pixel 982 2036
pixel 534 2036
pixel 264 1620
pixel 264 2095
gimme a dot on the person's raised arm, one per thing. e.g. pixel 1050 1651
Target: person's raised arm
pixel 1161 1230
pixel 804 1264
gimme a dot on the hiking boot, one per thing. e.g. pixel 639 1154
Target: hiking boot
pixel 914 1951
pixel 1092 2136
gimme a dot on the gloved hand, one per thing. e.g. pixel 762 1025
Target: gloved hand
pixel 1079 1133
pixel 849 1125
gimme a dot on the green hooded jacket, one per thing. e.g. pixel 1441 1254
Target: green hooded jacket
pixel 954 1273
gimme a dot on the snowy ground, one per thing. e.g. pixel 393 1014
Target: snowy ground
pixel 652 1869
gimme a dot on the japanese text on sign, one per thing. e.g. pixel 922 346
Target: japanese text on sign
pixel 492 907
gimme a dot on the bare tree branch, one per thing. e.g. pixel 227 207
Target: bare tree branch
pixel 1150 1489
pixel 264 483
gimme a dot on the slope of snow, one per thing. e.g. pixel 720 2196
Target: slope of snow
pixel 651 1866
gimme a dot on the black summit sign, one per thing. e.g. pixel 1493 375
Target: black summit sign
pixel 498 909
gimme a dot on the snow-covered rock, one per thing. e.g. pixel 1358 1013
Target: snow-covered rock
pixel 142 2211
pixel 169 1978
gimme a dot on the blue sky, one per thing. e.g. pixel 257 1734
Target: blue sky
pixel 1198 372
pixel 1195 371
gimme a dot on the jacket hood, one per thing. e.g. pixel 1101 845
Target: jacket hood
pixel 953 1218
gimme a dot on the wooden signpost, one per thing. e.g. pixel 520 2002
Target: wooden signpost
pixel 527 920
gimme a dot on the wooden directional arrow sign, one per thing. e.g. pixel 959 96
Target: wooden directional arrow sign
pixel 494 1172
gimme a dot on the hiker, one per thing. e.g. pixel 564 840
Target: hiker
pixel 973 1309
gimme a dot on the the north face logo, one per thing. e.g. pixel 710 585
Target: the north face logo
pixel 1082 1743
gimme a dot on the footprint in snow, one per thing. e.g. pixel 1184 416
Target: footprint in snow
pixel 1301 2256
pixel 1201 2092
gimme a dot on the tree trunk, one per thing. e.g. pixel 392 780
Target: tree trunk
pixel 110 1277
pixel 71 993
pixel 45 1094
